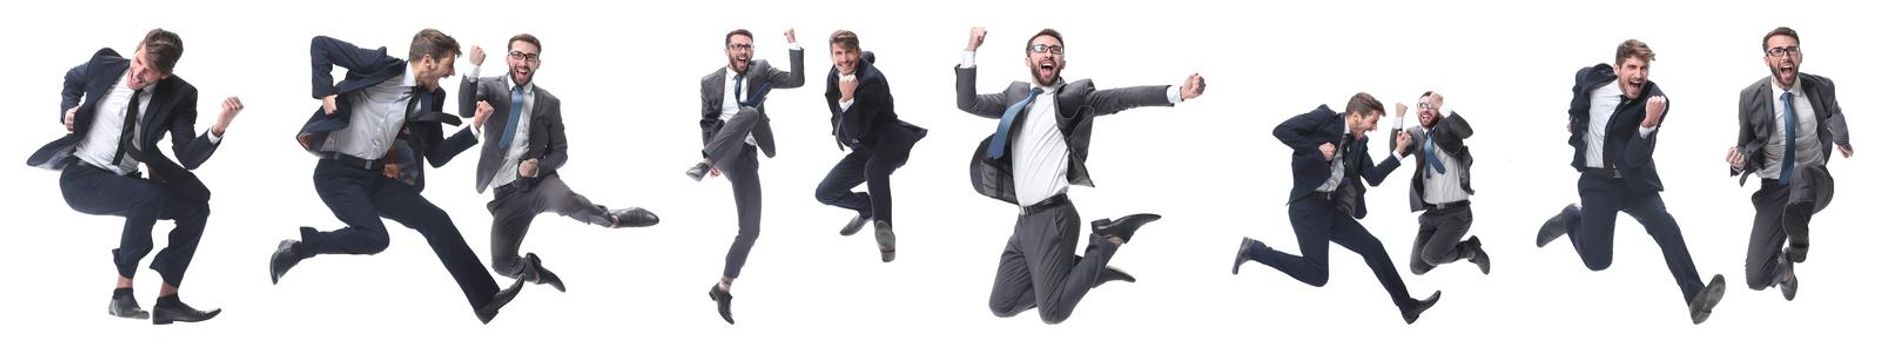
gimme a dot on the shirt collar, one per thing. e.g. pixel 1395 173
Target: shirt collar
pixel 1776 86
pixel 410 80
pixel 526 88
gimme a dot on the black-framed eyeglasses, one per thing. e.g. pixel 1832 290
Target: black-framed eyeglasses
pixel 1041 48
pixel 744 47
pixel 1425 105
pixel 1784 51
pixel 530 57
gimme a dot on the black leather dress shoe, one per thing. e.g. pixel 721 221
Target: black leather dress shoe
pixel 1558 225
pixel 1123 228
pixel 535 273
pixel 633 217
pixel 1480 258
pixel 698 171
pixel 1415 312
pixel 723 298
pixel 126 306
pixel 854 225
pixel 182 313
pixel 1247 245
pixel 1706 300
pixel 1786 280
pixel 494 305
pixel 1113 274
pixel 284 258
pixel 884 238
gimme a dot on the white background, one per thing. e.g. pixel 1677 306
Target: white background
pixel 629 77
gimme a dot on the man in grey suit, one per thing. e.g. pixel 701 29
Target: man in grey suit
pixel 734 126
pixel 1781 140
pixel 1037 152
pixel 529 144
pixel 1442 183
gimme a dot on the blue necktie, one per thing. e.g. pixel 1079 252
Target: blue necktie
pixel 1004 125
pixel 1787 155
pixel 1428 154
pixel 515 115
pixel 739 89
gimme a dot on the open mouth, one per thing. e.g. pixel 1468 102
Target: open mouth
pixel 1787 70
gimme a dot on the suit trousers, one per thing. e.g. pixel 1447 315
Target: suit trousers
pixel 141 203
pixel 1776 204
pixel 1438 241
pixel 1601 199
pixel 360 196
pixel 873 166
pixel 1040 269
pixel 1318 222
pixel 515 208
pixel 748 192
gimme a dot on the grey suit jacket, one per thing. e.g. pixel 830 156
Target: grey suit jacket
pixel 1756 120
pixel 547 138
pixel 1078 104
pixel 1448 133
pixel 759 79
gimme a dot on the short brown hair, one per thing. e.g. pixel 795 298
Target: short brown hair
pixel 1046 32
pixel 737 32
pixel 846 39
pixel 525 37
pixel 1634 49
pixel 164 49
pixel 1363 104
pixel 434 43
pixel 1782 31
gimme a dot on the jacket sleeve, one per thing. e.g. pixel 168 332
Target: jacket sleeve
pixel 965 85
pixel 74 89
pixel 327 52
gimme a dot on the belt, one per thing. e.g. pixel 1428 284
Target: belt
pixel 135 174
pixel 1047 203
pixel 1329 196
pixel 1608 173
pixel 351 161
pixel 1441 206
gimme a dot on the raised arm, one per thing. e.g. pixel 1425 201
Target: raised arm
pixel 966 83
pixel 327 52
pixel 793 78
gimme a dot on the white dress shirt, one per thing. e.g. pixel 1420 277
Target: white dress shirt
pixel 378 113
pixel 518 146
pixel 1806 137
pixel 1040 157
pixel 1604 103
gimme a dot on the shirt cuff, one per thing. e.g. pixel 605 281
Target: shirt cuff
pixel 474 70
pixel 1174 94
pixel 1646 132
pixel 846 104
pixel 213 138
pixel 476 130
pixel 968 60
pixel 796 46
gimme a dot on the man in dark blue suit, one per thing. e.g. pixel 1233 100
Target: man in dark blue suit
pixel 1614 115
pixel 372 133
pixel 1329 165
pixel 862 115
pixel 115 111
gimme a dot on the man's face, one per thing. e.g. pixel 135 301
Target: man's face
pixel 1429 109
pixel 1784 58
pixel 524 59
pixel 1362 123
pixel 141 73
pixel 738 51
pixel 430 70
pixel 1045 57
pixel 1632 74
pixel 845 58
